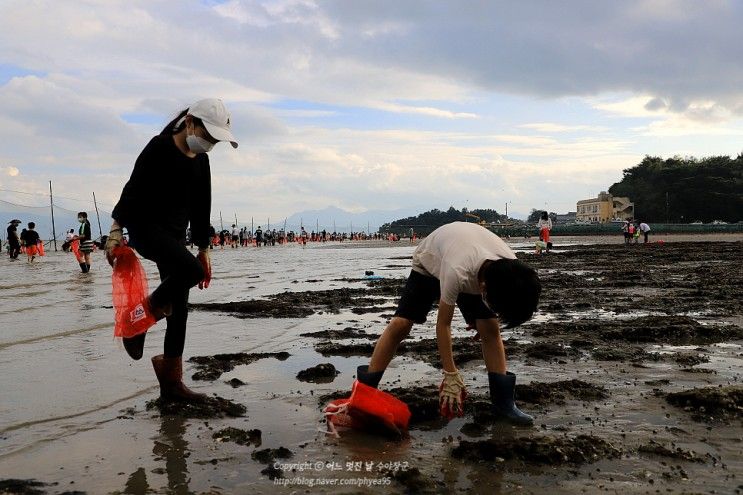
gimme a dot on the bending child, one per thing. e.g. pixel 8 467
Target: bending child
pixel 466 265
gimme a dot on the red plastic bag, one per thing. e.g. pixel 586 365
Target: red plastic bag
pixel 368 409
pixel 40 244
pixel 133 315
pixel 75 247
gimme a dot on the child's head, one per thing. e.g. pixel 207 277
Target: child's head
pixel 545 216
pixel 82 216
pixel 31 225
pixel 512 291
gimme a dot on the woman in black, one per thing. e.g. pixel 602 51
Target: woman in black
pixel 14 244
pixel 169 189
pixel 85 237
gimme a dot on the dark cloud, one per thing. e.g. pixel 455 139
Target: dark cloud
pixel 677 50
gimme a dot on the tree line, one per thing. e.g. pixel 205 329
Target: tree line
pixel 427 222
pixel 685 190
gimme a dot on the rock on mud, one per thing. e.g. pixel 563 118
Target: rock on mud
pixel 582 449
pixel 322 373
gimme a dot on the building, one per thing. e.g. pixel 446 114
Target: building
pixel 565 218
pixel 604 209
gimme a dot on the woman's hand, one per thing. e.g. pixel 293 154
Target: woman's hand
pixel 451 395
pixel 206 264
pixel 115 239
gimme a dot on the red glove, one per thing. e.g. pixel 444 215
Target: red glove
pixel 452 395
pixel 206 264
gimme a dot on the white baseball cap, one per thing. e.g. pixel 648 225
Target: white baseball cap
pixel 215 117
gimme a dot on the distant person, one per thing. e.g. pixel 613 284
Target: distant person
pixel 545 226
pixel 22 236
pixel 85 236
pixel 258 236
pixel 14 242
pixel 212 234
pixel 645 229
pixel 625 231
pixel 235 236
pixel 170 188
pixel 32 241
pixel 630 231
pixel 462 264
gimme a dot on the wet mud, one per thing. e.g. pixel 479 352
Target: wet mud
pixel 239 436
pixel 632 368
pixel 537 449
pixel 711 403
pixel 211 407
pixel 302 304
pixel 212 367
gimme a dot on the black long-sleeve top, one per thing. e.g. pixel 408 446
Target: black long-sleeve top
pixel 166 191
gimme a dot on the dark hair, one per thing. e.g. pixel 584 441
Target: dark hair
pixel 545 216
pixel 512 291
pixel 82 214
pixel 174 126
pixel 31 225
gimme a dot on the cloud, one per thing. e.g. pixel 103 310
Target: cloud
pixel 407 103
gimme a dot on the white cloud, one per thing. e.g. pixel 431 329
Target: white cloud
pixel 437 72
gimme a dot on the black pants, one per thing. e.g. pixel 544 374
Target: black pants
pixel 15 250
pixel 179 271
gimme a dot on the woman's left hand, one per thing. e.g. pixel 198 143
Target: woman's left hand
pixel 206 264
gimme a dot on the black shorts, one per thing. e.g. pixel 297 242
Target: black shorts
pixel 421 292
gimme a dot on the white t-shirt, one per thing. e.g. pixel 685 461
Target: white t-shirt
pixel 454 253
pixel 235 232
pixel 545 224
pixel 644 227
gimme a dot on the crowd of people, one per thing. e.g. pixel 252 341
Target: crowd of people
pixel 30 243
pixel 244 237
pixel 632 229
pixel 27 241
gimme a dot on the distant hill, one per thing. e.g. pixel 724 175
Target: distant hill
pixel 343 219
pixel 425 223
pixel 685 189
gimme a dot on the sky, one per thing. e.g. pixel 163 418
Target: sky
pixel 363 104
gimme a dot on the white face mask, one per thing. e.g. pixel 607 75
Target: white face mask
pixel 80 219
pixel 198 144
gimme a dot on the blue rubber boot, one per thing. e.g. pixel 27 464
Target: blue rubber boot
pixel 371 379
pixel 502 397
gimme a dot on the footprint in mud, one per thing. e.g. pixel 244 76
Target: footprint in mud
pixel 536 450
pixel 322 373
pixel 211 407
